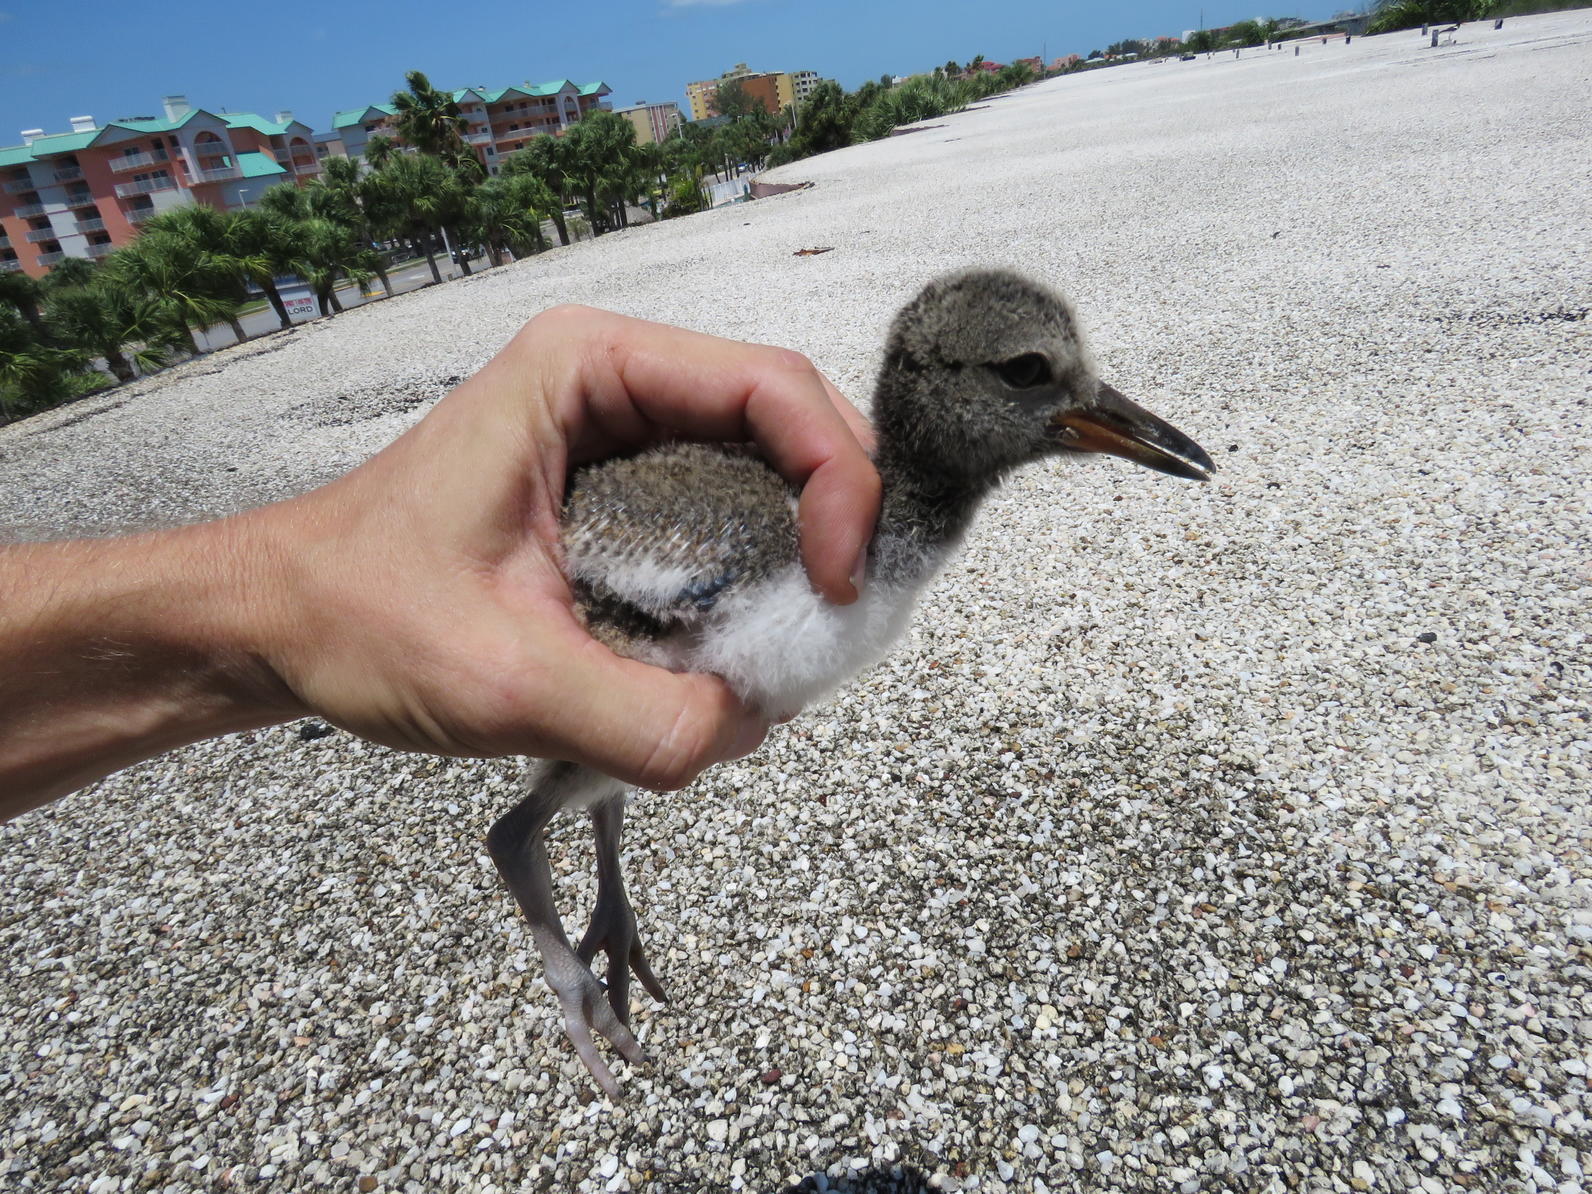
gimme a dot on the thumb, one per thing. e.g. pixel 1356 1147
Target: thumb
pixel 644 725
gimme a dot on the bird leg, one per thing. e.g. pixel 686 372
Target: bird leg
pixel 613 921
pixel 517 848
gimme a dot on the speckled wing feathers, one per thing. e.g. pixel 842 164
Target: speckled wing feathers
pixel 653 542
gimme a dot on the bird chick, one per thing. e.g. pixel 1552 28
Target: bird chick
pixel 686 557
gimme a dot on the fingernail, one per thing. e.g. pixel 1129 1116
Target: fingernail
pixel 859 570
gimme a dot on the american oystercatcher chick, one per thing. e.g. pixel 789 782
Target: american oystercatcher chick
pixel 686 557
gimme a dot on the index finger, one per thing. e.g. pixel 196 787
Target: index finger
pixel 639 377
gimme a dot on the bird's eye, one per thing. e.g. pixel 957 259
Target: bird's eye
pixel 1024 372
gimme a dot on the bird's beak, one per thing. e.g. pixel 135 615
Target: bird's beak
pixel 1121 427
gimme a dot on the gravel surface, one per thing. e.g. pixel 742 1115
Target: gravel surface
pixel 1200 838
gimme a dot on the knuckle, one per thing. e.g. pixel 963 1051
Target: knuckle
pixel 788 360
pixel 560 320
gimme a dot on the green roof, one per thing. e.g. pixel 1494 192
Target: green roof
pixel 258 165
pixel 352 116
pixel 18 155
pixel 248 120
pixel 152 124
pixel 489 95
pixel 592 88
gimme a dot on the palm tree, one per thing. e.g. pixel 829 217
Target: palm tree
pixel 548 160
pixel 113 322
pixel 496 219
pixel 35 375
pixel 189 287
pixel 70 271
pixel 222 264
pixel 430 121
pixel 343 179
pixel 601 151
pixel 416 193
pixel 266 245
pixel 22 293
pixel 531 197
pixel 650 176
pixel 379 151
pixel 331 253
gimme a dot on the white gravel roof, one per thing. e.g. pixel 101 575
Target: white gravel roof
pixel 1200 837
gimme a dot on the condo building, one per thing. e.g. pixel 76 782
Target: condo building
pixel 501 119
pixel 85 192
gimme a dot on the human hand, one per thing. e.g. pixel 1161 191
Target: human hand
pixel 419 601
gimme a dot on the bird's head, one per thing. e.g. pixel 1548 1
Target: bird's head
pixel 986 370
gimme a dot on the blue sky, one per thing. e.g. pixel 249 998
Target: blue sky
pixel 65 58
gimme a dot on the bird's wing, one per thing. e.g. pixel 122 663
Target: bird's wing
pixel 662 537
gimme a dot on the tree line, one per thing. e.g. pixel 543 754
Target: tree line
pixel 832 118
pixel 84 326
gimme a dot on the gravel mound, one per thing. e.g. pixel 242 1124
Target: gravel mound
pixel 1200 838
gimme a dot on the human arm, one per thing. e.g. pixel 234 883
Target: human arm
pixel 419 601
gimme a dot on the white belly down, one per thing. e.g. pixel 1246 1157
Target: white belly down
pixel 782 646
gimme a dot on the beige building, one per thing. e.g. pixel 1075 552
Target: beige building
pixel 654 123
pixel 776 90
pixel 803 82
pixel 699 95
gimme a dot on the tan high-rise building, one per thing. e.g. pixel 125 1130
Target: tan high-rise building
pixel 654 123
pixel 775 90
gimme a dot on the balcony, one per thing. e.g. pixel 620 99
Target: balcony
pixel 138 215
pixel 144 186
pixel 481 138
pixel 10 265
pixel 137 161
pixel 37 236
pixel 54 258
pixel 98 251
pixel 306 167
pixel 94 225
pixel 68 174
pixel 15 186
pixel 29 209
pixel 219 174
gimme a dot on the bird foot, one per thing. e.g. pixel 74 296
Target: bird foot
pixel 613 931
pixel 588 1009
